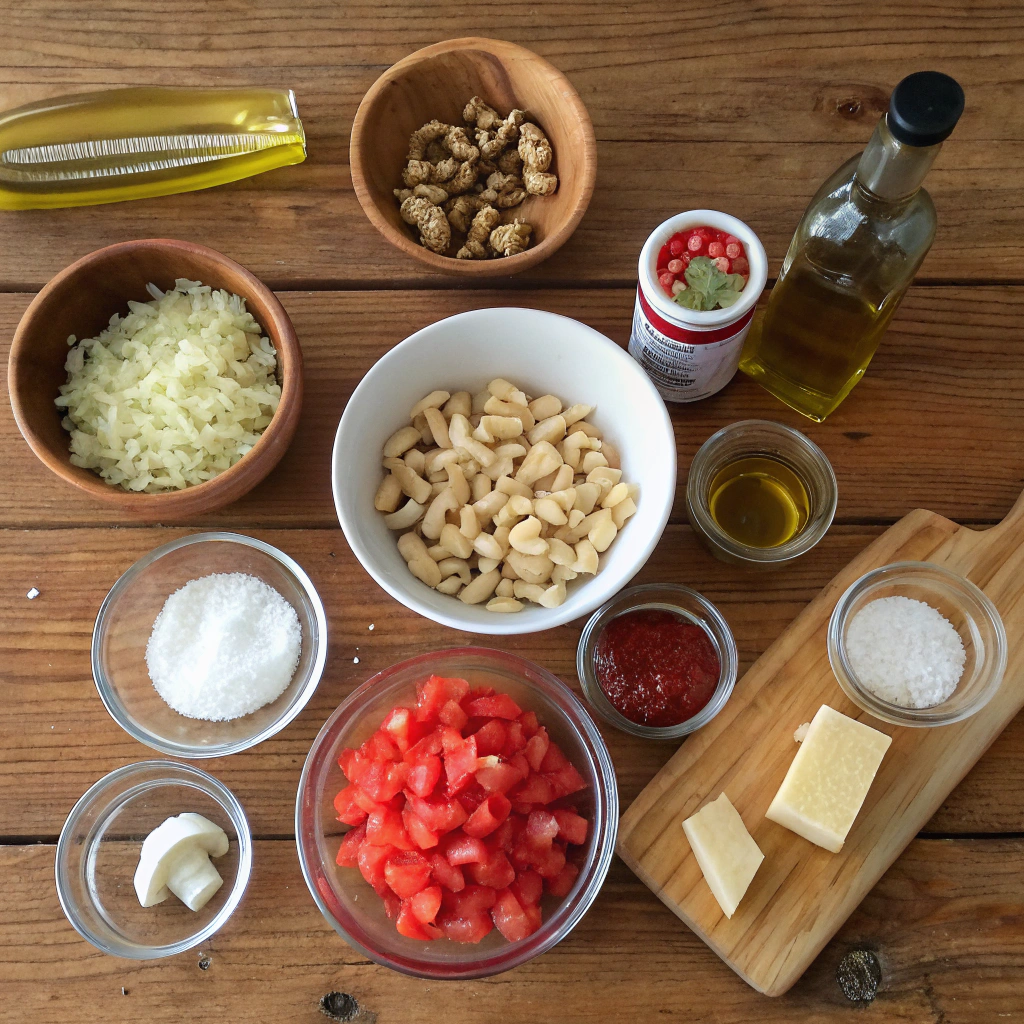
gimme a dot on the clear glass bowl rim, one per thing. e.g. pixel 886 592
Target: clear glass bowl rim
pixel 556 927
pixel 108 693
pixel 893 574
pixel 212 787
pixel 725 641
pixel 817 523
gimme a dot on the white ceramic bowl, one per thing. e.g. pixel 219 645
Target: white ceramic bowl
pixel 541 353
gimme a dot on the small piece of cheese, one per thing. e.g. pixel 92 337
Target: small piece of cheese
pixel 725 851
pixel 829 778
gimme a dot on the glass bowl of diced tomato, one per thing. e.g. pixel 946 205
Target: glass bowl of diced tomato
pixel 457 814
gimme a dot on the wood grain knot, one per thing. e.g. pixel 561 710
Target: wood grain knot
pixel 859 974
pixel 204 963
pixel 853 103
pixel 342 1006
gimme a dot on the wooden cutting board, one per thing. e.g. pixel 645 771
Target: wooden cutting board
pixel 802 894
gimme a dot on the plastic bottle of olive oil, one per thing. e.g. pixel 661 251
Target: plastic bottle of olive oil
pixel 854 255
pixel 105 147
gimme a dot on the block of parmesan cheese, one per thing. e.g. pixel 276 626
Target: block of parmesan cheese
pixel 725 851
pixel 829 778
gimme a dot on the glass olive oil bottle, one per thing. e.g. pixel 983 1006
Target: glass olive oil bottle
pixel 854 255
pixel 104 147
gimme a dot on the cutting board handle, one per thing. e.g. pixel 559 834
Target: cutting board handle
pixel 1014 519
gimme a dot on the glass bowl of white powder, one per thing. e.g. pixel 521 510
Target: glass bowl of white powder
pixel 916 644
pixel 209 645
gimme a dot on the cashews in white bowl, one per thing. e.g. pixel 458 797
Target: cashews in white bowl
pixel 543 353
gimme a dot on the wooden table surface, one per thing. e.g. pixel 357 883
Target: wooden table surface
pixel 737 106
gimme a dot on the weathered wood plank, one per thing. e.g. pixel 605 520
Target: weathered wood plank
pixel 58 739
pixel 945 923
pixel 749 121
pixel 938 422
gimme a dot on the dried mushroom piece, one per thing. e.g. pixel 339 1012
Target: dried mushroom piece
pixel 422 137
pixel 435 232
pixel 434 193
pixel 480 114
pixel 462 209
pixel 535 151
pixel 511 239
pixel 507 190
pixel 479 232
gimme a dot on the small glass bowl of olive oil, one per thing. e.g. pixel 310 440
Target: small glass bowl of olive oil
pixel 760 493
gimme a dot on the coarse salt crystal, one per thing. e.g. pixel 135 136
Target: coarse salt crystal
pixel 905 651
pixel 32 594
pixel 223 646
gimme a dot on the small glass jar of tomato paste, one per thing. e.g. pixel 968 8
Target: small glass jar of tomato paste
pixel 657 661
pixel 700 275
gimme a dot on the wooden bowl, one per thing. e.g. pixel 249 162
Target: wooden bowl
pixel 80 300
pixel 437 82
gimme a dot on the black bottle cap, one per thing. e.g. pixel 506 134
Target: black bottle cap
pixel 924 108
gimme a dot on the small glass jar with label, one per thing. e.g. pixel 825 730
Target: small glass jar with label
pixel 700 275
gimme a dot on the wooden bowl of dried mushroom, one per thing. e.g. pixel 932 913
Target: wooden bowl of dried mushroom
pixel 474 156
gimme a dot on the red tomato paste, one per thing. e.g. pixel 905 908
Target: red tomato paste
pixel 462 809
pixel 655 667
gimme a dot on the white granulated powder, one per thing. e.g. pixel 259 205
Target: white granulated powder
pixel 223 646
pixel 905 652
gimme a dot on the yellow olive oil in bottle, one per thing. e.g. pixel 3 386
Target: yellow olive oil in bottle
pixel 105 147
pixel 854 255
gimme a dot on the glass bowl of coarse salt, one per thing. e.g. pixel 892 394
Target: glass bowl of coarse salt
pixel 209 645
pixel 917 644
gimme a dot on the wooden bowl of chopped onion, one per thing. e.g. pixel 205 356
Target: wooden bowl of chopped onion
pixel 178 408
pixel 437 83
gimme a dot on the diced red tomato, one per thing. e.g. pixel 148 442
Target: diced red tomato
pixel 499 778
pixel 561 885
pixel 385 828
pixel 571 826
pixel 695 244
pixel 488 816
pixel 676 246
pixel 379 747
pixel 515 740
pixel 528 887
pixel 722 263
pixel 675 266
pixel 535 790
pixel 371 861
pixel 407 872
pixel 425 904
pixel 345 762
pixel 733 249
pixel 424 747
pixel 399 726
pixel 438 815
pixel 450 803
pixel 453 715
pixel 417 831
pixel 465 928
pixel 411 927
pixel 509 917
pixel 536 747
pixel 716 249
pixel 448 875
pixel 490 738
pixel 460 764
pixel 528 720
pixel 463 849
pixel 348 852
pixel 348 809
pixel 550 863
pixel 665 279
pixel 496 871
pixel 423 775
pixel 664 255
pixel 740 265
pixel 500 705
pixel 436 691
pixel 541 829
